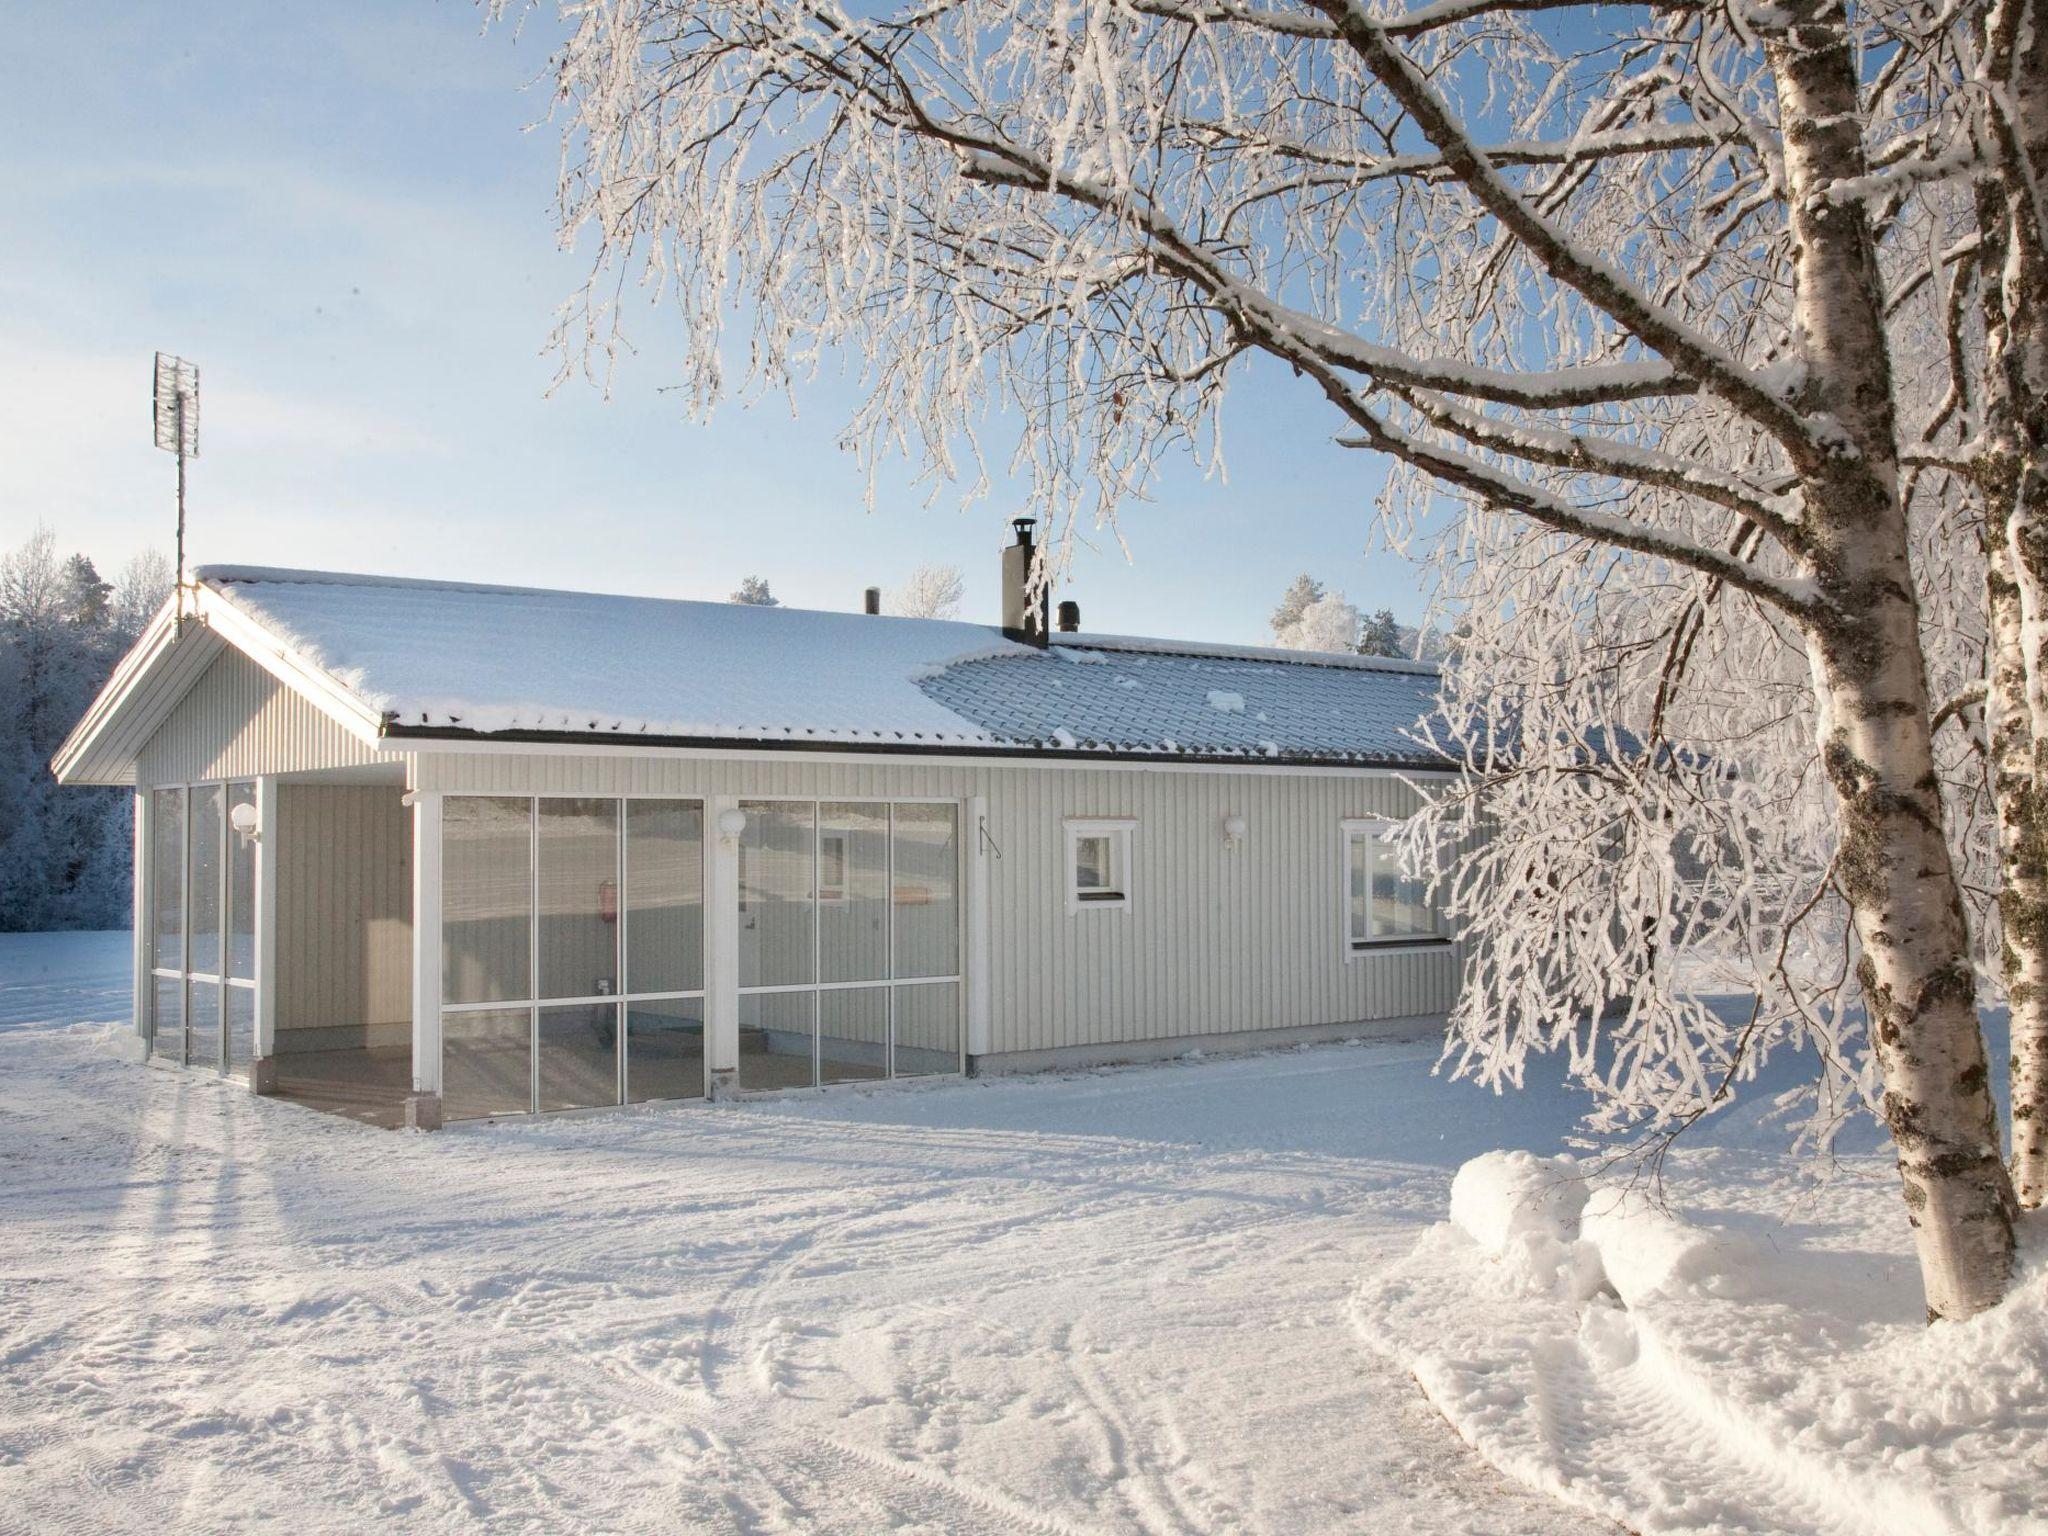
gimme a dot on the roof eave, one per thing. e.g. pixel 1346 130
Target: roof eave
pixel 455 737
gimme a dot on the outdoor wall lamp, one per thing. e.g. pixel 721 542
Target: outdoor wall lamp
pixel 1233 829
pixel 244 820
pixel 731 823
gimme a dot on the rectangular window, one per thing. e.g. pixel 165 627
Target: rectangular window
pixel 1382 905
pixel 577 933
pixel 664 896
pixel 487 899
pixel 1099 866
pixel 203 862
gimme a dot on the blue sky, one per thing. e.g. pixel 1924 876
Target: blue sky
pixel 342 214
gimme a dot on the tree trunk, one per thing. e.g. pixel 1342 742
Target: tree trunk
pixel 1870 680
pixel 2013 473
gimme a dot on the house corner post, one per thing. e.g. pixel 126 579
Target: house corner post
pixel 423 1104
pixel 722 949
pixel 263 1051
pixel 979 992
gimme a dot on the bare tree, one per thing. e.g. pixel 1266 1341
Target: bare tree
pixel 929 592
pixel 1624 290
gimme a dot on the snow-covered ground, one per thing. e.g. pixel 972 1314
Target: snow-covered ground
pixel 1176 1298
pixel 1111 1302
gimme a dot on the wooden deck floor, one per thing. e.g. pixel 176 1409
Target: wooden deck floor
pixel 367 1085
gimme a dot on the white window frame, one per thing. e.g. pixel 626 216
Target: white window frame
pixel 1374 828
pixel 1118 830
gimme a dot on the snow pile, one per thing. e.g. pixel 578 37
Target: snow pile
pixel 1229 703
pixel 1732 1373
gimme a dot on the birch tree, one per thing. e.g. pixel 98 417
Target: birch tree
pixel 1609 276
pixel 2007 461
pixel 929 592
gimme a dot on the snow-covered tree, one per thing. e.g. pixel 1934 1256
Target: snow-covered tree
pixel 929 592
pixel 1327 624
pixel 142 587
pixel 1301 591
pixel 753 593
pixel 1613 296
pixel 64 853
pixel 1381 635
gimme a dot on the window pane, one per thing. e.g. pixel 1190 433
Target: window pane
pixel 664 896
pixel 775 1039
pixel 202 1028
pixel 485 1060
pixel 853 1034
pixel 777 853
pixel 579 899
pixel 167 879
pixel 579 1056
pixel 1400 907
pixel 205 875
pixel 927 912
pixel 486 899
pixel 241 1027
pixel 853 892
pixel 241 887
pixel 1091 863
pixel 1358 845
pixel 664 1050
pixel 167 1018
pixel 928 1029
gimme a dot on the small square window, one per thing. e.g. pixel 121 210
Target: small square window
pixel 1098 866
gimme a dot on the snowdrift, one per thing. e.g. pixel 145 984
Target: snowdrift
pixel 1735 1372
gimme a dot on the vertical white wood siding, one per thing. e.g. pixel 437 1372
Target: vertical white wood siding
pixel 237 722
pixel 344 913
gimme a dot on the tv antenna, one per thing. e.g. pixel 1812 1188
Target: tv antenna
pixel 174 402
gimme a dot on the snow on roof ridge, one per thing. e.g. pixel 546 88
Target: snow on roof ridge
pixel 258 575
pixel 1156 646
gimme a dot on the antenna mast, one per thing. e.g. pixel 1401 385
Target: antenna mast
pixel 174 412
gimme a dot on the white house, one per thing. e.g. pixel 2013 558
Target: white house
pixel 420 849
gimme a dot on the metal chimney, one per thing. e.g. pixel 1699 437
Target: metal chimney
pixel 1024 619
pixel 873 600
pixel 1070 617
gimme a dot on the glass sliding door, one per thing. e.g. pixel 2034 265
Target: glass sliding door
pixel 577 942
pixel 573 952
pixel 778 943
pixel 849 929
pixel 486 956
pixel 202 946
pixel 238 930
pixel 664 923
pixel 167 923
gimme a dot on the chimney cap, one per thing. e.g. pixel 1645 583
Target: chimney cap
pixel 1070 616
pixel 871 600
pixel 1025 526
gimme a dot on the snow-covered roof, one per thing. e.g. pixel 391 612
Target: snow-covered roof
pixel 435 659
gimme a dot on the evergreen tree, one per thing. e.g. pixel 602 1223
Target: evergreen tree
pixel 1301 592
pixel 754 593
pixel 1381 635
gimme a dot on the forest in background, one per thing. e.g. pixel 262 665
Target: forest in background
pixel 65 854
